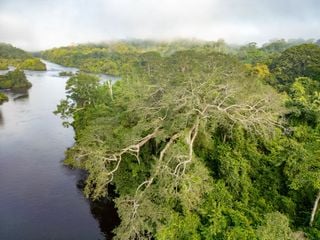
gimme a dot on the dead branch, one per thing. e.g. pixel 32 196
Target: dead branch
pixel 133 149
pixel 190 140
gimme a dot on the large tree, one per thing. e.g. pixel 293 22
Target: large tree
pixel 298 61
pixel 148 135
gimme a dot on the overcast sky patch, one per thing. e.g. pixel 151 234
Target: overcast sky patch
pixel 42 24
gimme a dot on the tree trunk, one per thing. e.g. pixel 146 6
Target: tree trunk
pixel 314 210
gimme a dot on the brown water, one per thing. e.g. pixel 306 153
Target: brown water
pixel 39 198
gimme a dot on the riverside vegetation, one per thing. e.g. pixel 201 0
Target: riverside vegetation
pixel 200 140
pixel 21 60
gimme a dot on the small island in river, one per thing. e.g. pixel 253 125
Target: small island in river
pixel 19 60
pixel 3 98
pixel 66 74
pixel 14 80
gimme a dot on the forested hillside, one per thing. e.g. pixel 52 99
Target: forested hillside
pixel 200 140
pixel 114 57
pixel 12 56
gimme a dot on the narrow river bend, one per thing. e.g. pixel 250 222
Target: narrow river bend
pixel 39 198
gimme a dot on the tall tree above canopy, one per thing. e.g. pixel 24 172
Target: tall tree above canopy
pixel 298 61
pixel 143 138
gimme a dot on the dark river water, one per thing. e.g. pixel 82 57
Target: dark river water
pixel 39 198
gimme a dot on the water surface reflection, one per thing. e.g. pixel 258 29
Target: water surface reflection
pixel 39 198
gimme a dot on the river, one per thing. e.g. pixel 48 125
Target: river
pixel 39 198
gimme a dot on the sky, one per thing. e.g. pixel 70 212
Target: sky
pixel 42 24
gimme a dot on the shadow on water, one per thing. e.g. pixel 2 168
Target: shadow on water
pixel 20 94
pixel 103 210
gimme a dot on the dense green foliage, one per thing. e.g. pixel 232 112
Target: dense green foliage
pixel 3 98
pixel 14 80
pixel 11 56
pixel 252 54
pixel 32 64
pixel 298 61
pixel 114 57
pixel 198 145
